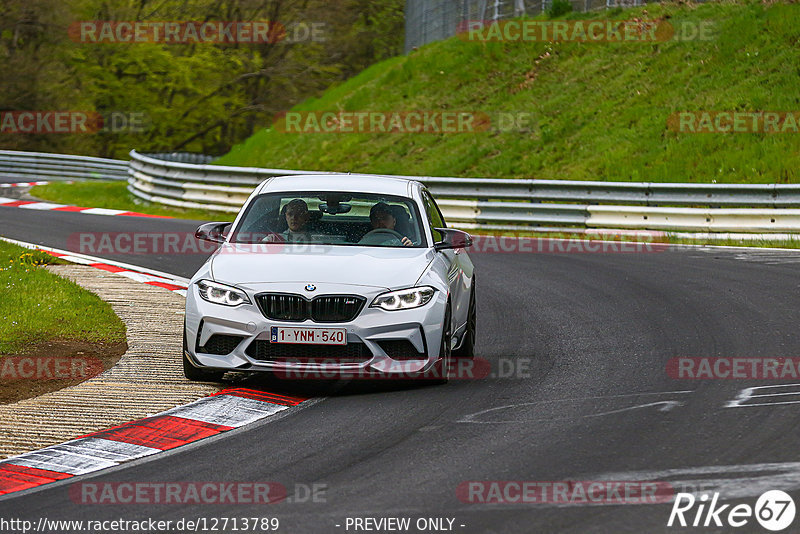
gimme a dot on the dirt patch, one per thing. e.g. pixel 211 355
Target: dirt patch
pixel 53 365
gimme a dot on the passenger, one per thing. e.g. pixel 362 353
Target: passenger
pixel 383 224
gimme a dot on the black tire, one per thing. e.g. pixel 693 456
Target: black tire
pixel 441 371
pixel 193 373
pixel 467 349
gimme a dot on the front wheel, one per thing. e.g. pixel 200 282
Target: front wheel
pixel 193 373
pixel 441 370
pixel 467 349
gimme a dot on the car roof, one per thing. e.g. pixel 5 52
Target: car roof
pixel 354 183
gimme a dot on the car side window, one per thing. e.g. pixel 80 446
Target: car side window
pixel 261 216
pixel 434 216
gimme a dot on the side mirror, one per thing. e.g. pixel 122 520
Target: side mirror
pixel 453 239
pixel 216 232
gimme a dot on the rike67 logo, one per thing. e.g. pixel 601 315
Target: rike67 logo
pixel 774 510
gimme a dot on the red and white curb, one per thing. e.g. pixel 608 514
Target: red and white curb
pixel 206 417
pixel 26 184
pixel 209 416
pixel 148 279
pixel 48 206
pixel 138 274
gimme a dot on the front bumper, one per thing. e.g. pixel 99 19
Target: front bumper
pixel 421 327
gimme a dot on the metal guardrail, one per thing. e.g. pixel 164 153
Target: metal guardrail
pixel 636 193
pixel 503 204
pixel 186 180
pixel 186 185
pixel 27 166
pixel 183 157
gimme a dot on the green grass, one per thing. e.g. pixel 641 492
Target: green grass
pixel 599 110
pixel 114 195
pixel 39 306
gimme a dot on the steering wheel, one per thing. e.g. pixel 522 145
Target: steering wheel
pixel 256 229
pixel 273 237
pixel 379 231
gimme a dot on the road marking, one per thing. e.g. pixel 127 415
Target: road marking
pixel 756 479
pixel 664 406
pixel 747 393
pixel 769 257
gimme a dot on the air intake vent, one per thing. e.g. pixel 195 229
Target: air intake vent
pixel 262 349
pixel 322 309
pixel 335 309
pixel 400 349
pixel 220 344
pixel 281 307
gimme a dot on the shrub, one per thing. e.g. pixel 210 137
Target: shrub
pixel 558 8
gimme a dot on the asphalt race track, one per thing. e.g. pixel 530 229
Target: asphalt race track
pixel 585 339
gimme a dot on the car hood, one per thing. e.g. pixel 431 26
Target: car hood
pixel 384 267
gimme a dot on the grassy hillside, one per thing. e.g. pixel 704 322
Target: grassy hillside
pixel 600 110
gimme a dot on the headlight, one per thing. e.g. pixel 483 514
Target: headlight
pixel 221 294
pixel 404 299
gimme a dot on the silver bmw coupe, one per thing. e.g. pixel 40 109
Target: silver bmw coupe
pixel 332 276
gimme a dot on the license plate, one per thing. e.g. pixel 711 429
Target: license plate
pixel 311 336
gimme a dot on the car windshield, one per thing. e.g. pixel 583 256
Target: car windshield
pixel 331 218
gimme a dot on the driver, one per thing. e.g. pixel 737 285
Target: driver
pixel 297 217
pixel 383 232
